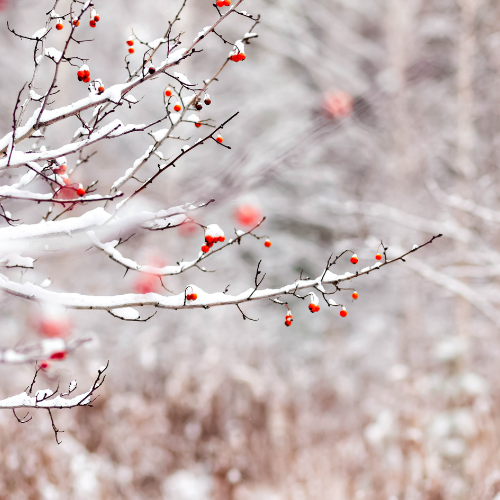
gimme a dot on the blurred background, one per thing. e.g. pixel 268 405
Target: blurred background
pixel 359 122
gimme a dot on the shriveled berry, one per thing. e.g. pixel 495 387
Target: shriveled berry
pixel 207 101
pixel 59 26
pixel 378 256
pixel 354 259
pixel 205 249
pixel 267 243
pixel 151 70
pixel 355 295
pixel 199 107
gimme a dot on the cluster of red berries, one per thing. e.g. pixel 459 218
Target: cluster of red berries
pixel 130 44
pixel 94 19
pixel 314 308
pixel 191 296
pixel 288 318
pixel 84 74
pixel 238 57
pixel 210 240
pixel 223 3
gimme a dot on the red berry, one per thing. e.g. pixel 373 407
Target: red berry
pixel 44 365
pixel 343 313
pixel 354 259
pixel 222 238
pixel 97 19
pixel 130 42
pixel 86 72
pixel 355 295
pixel 60 170
pixel 76 23
pixel 177 107
pixel 312 307
pixel 58 355
pixel 205 249
pixel 210 245
pixel 81 74
pixel 86 79
pixel 188 296
pixel 92 24
pixel 227 3
pixel 241 56
pixel 316 309
pixel 207 101
pixel 235 58
pixel 378 256
pixel 288 322
pixel 80 191
pixel 197 124
pixel 131 50
pixel 59 26
pixel 67 181
pixel 151 70
pixel 220 3
pixel 168 92
pixel 101 90
pixel 208 238
pixel 267 243
pixel 219 139
pixel 194 296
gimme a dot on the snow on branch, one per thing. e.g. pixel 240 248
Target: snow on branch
pixel 47 399
pixel 204 300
